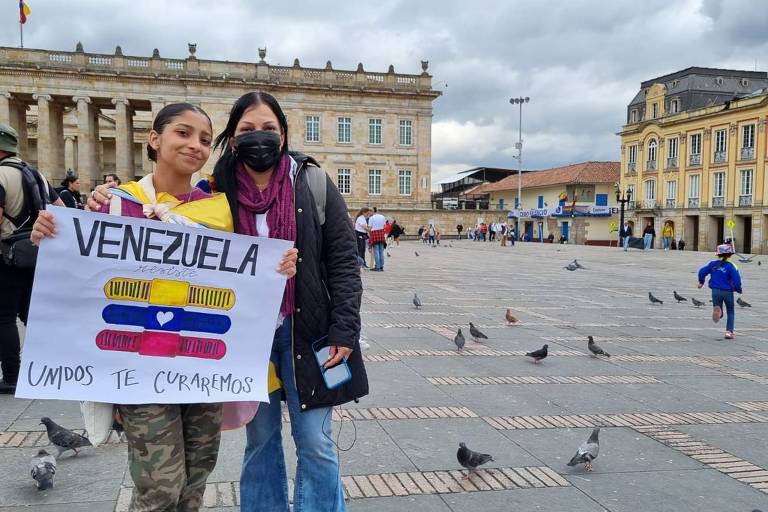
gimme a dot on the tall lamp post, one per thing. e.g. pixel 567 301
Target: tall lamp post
pixel 622 200
pixel 519 147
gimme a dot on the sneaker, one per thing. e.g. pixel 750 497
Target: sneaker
pixel 717 314
pixel 729 335
pixel 364 345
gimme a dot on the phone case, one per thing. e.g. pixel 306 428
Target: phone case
pixel 333 377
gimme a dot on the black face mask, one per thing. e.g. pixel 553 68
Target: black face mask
pixel 259 150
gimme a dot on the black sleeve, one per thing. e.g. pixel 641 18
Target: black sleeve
pixel 2 198
pixel 342 275
pixel 52 195
pixel 68 198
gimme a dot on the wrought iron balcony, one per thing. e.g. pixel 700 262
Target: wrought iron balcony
pixel 649 204
pixel 720 157
pixel 694 160
pixel 747 153
pixel 718 202
pixel 671 203
pixel 650 165
pixel 745 200
pixel 631 205
pixel 632 168
pixel 693 202
pixel 672 162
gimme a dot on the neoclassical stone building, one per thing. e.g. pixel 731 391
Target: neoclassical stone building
pixel 91 113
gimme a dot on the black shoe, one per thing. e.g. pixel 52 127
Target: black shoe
pixel 7 389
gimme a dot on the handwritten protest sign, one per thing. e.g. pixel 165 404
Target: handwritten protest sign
pixel 137 311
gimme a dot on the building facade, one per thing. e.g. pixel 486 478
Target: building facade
pixel 576 202
pixel 91 113
pixel 693 153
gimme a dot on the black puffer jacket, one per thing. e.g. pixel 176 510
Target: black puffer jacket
pixel 328 287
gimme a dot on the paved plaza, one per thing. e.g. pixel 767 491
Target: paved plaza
pixel 684 413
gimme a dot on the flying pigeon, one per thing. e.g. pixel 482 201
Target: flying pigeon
pixel 416 301
pixel 741 302
pixel 653 299
pixel 588 451
pixel 43 469
pixel 459 340
pixel 696 303
pixel 476 334
pixel 470 459
pixel 595 348
pixel 538 355
pixel 416 253
pixel 679 298
pixel 510 318
pixel 63 439
pixel 743 259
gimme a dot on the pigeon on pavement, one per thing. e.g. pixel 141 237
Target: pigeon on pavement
pixel 43 469
pixel 571 267
pixel 388 255
pixel 538 355
pixel 416 253
pixel 470 459
pixel 653 299
pixel 459 340
pixel 63 439
pixel 595 348
pixel 696 303
pixel 476 334
pixel 679 298
pixel 416 301
pixel 576 264
pixel 509 317
pixel 741 302
pixel 588 451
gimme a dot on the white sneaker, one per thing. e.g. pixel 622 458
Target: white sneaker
pixel 364 345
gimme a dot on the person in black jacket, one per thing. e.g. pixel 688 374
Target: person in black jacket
pixel 648 234
pixel 70 192
pixel 325 303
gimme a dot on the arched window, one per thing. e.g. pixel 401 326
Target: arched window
pixel 652 150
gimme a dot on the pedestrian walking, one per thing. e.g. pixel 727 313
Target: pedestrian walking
pixel 20 205
pixel 667 235
pixel 377 224
pixel 397 231
pixel 724 279
pixel 459 229
pixel 430 234
pixel 648 234
pixel 361 234
pixel 625 233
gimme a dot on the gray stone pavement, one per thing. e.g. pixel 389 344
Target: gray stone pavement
pixel 684 412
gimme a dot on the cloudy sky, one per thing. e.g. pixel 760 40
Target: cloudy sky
pixel 580 61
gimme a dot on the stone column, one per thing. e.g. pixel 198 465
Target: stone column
pixel 45 135
pixel 157 105
pixel 18 119
pixel 87 129
pixel 70 153
pixel 124 166
pixel 5 107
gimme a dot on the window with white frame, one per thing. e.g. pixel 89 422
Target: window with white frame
pixel 652 145
pixel 695 144
pixel 674 106
pixel 406 132
pixel 693 186
pixel 748 136
pixel 671 190
pixel 631 192
pixel 633 116
pixel 746 182
pixel 721 140
pixel 313 129
pixel 374 182
pixel 344 180
pixel 344 130
pixel 404 178
pixel 718 184
pixel 650 190
pixel 632 154
pixel 374 131
pixel 672 145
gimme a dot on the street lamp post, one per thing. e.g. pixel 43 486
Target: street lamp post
pixel 519 147
pixel 622 200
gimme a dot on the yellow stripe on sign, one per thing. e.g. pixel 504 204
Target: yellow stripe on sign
pixel 166 292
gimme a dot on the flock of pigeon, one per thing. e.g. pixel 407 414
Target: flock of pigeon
pixel 679 298
pixel 43 465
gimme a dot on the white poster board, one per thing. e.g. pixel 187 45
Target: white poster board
pixel 137 311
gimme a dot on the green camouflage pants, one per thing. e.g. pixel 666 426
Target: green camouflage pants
pixel 171 451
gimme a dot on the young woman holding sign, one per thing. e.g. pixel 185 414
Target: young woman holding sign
pixel 171 448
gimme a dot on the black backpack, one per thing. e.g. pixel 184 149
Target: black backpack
pixel 17 249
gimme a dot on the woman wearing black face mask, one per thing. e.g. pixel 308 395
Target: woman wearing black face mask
pixel 275 193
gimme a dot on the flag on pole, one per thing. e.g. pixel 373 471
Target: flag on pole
pixel 24 11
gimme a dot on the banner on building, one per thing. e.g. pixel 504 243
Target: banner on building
pixel 136 311
pixel 565 211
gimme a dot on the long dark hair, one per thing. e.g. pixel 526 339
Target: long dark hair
pixel 166 115
pixel 243 103
pixel 68 180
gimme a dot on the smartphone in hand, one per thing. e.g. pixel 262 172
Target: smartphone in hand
pixel 336 375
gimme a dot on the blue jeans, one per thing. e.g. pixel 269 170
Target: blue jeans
pixel 378 256
pixel 625 242
pixel 718 297
pixel 667 242
pixel 263 482
pixel 648 240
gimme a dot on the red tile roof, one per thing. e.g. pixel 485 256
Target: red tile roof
pixel 583 173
